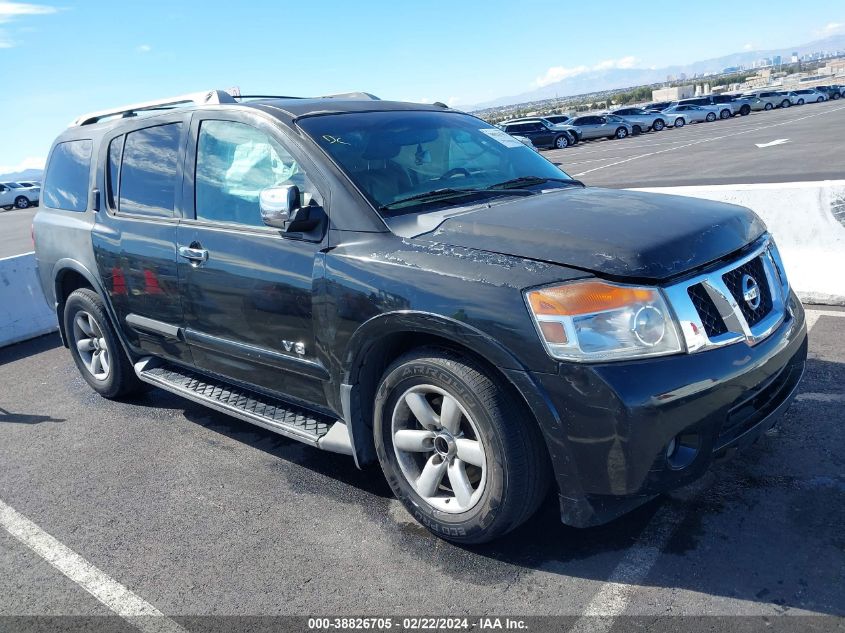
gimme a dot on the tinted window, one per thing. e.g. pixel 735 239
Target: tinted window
pixel 148 174
pixel 115 152
pixel 66 182
pixel 234 163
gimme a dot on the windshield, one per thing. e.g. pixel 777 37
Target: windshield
pixel 416 160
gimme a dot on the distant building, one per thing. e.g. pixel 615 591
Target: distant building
pixel 672 94
pixel 776 60
pixel 794 58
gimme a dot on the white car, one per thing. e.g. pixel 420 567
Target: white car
pixel 14 194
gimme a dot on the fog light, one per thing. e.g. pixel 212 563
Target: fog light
pixel 682 450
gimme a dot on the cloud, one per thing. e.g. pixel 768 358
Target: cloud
pixel 10 11
pixel 559 73
pixel 748 47
pixel 144 48
pixel 30 162
pixel 832 28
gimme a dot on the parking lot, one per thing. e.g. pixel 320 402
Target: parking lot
pixel 196 513
pixel 799 144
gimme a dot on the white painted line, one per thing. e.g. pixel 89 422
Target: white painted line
pixel 822 397
pixel 777 141
pixel 615 595
pixel 708 140
pixel 814 315
pixel 111 593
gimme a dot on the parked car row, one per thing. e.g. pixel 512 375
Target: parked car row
pixel 21 195
pixel 558 131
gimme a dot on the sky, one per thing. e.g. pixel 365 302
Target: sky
pixel 60 58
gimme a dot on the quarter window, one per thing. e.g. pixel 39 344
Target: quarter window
pixel 115 153
pixel 66 182
pixel 235 162
pixel 149 169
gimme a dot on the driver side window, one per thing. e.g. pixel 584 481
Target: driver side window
pixel 235 162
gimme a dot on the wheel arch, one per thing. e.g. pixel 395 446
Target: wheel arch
pixel 384 338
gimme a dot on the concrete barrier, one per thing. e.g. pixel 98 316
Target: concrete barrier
pixel 808 222
pixel 24 313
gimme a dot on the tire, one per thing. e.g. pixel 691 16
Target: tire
pixel 562 142
pixel 573 140
pixel 22 202
pixel 509 481
pixel 636 129
pixel 85 319
pixel 621 132
pixel 725 114
pixel 768 107
pixel 745 110
pixel 680 122
pixel 800 102
pixel 820 100
pixel 785 103
pixel 711 116
pixel 658 125
pixel 836 96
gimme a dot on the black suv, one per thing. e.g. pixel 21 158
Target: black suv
pixel 543 133
pixel 407 284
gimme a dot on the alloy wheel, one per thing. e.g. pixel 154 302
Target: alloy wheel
pixel 92 345
pixel 439 449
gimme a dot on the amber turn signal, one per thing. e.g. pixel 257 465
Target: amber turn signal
pixel 585 298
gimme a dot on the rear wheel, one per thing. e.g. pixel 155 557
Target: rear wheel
pixel 679 122
pixel 768 106
pixel 820 99
pixel 785 103
pixel 456 449
pixel 22 202
pixel 636 130
pixel 836 96
pixel 562 142
pixel 745 110
pixel 711 116
pixel 800 102
pixel 658 125
pixel 725 114
pixel 621 132
pixel 95 348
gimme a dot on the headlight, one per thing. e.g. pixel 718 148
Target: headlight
pixel 594 321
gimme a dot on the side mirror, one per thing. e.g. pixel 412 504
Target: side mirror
pixel 277 204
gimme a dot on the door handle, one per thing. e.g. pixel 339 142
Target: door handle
pixel 196 255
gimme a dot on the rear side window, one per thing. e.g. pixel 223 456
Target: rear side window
pixel 66 182
pixel 115 153
pixel 148 173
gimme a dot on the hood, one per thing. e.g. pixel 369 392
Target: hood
pixel 621 234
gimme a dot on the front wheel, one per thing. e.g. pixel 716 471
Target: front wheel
pixel 22 202
pixel 95 347
pixel 457 450
pixel 800 102
pixel 725 114
pixel 679 122
pixel 785 103
pixel 768 106
pixel 745 110
pixel 621 132
pixel 711 116
pixel 562 142
pixel 636 130
pixel 836 96
pixel 658 125
pixel 820 99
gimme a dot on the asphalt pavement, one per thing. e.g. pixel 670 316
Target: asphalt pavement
pixel 197 513
pixel 800 143
pixel 15 231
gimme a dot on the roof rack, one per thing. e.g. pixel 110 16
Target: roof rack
pixel 196 98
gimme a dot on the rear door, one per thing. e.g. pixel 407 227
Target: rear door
pixel 134 236
pixel 247 289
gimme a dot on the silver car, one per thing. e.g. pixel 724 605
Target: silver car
pixel 602 126
pixel 642 120
pixel 680 115
pixel 766 100
pixel 809 95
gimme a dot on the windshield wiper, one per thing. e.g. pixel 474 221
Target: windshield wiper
pixel 437 195
pixel 533 180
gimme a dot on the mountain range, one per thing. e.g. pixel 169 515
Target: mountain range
pixel 26 175
pixel 618 78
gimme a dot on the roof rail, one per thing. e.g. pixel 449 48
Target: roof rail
pixel 195 98
pixel 364 96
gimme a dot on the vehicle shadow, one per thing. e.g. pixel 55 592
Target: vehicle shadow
pixel 23 418
pixel 767 527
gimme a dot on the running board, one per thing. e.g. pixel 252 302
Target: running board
pixel 270 413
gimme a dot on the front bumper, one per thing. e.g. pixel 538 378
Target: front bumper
pixel 616 420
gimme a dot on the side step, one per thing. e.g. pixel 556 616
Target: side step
pixel 271 413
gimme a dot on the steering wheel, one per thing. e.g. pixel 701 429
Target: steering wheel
pixel 454 172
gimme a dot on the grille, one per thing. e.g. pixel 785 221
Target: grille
pixel 713 323
pixel 733 280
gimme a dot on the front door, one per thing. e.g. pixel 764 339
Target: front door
pixel 247 287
